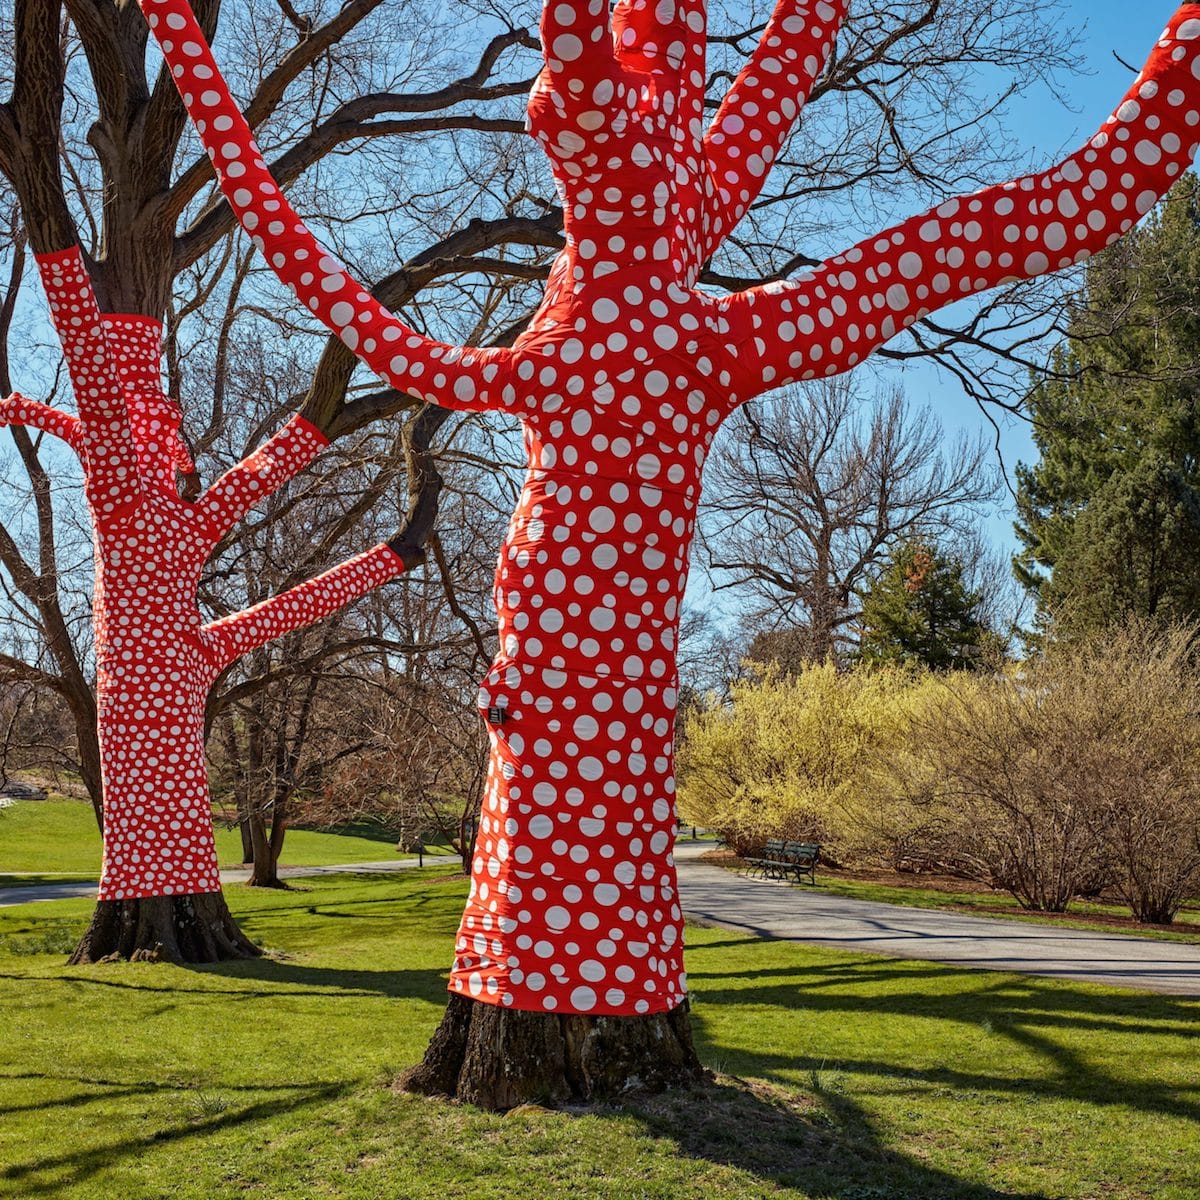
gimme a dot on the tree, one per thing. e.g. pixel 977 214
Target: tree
pixel 809 491
pixel 157 657
pixel 236 360
pixel 920 610
pixel 568 978
pixel 1109 515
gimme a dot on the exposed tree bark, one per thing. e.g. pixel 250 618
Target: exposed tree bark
pixel 176 929
pixel 499 1058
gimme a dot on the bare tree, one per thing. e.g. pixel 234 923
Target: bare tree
pixel 371 716
pixel 808 491
pixel 620 380
pixel 141 199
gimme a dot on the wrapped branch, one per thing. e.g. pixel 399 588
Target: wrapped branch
pixel 112 480
pixel 231 637
pixel 762 107
pixel 451 376
pixel 33 414
pixel 831 318
pixel 262 473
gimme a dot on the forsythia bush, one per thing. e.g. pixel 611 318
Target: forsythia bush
pixel 785 757
pixel 1073 772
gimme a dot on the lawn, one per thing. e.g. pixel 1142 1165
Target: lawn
pixel 843 1077
pixel 56 840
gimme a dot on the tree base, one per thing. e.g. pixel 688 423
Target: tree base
pixel 498 1058
pixel 176 929
pixel 270 881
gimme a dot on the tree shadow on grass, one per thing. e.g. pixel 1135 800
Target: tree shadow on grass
pixel 1028 1014
pixel 105 1090
pixel 822 1145
pixel 411 984
pixel 56 1175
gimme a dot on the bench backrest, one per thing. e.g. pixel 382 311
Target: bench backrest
pixel 802 849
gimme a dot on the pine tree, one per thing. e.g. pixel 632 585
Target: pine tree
pixel 1109 515
pixel 920 610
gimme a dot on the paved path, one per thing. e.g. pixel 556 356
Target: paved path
pixel 802 914
pixel 68 891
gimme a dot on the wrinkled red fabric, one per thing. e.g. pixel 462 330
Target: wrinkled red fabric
pixel 620 382
pixel 156 658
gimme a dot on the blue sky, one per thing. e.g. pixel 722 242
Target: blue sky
pixel 1042 125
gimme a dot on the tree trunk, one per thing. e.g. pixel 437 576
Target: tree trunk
pixel 247 839
pixel 245 816
pixel 497 1058
pixel 177 929
pixel 83 710
pixel 265 872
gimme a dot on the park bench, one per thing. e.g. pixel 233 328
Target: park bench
pixel 787 860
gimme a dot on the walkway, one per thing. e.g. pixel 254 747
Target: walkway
pixel 70 891
pixel 799 913
pixel 719 897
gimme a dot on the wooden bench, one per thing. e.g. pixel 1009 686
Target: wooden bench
pixel 786 860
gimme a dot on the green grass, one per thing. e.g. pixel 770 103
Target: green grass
pixel 55 841
pixel 845 1077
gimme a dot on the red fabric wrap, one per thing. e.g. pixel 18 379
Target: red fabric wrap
pixel 621 381
pixel 155 659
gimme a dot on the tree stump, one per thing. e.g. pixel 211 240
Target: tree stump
pixel 498 1058
pixel 176 929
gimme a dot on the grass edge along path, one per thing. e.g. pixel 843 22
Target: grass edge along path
pixel 1086 915
pixel 56 841
pixel 843 1076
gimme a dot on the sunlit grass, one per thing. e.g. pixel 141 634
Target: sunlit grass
pixel 55 841
pixel 844 1076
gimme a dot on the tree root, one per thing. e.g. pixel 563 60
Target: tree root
pixel 498 1058
pixel 176 929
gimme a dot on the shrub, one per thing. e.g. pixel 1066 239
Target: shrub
pixel 1080 768
pixel 784 758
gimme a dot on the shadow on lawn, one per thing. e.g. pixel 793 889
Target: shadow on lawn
pixel 411 984
pixel 55 1175
pixel 1028 1014
pixel 824 1146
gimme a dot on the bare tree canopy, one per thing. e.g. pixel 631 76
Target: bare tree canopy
pixel 807 492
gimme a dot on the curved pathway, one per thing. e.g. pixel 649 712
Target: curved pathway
pixel 716 896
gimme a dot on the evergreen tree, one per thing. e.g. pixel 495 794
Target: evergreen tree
pixel 1109 515
pixel 920 610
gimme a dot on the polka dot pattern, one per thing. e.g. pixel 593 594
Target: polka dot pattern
pixel 19 410
pixel 155 659
pixel 761 109
pixel 111 476
pixel 620 381
pixel 228 639
pixel 831 318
